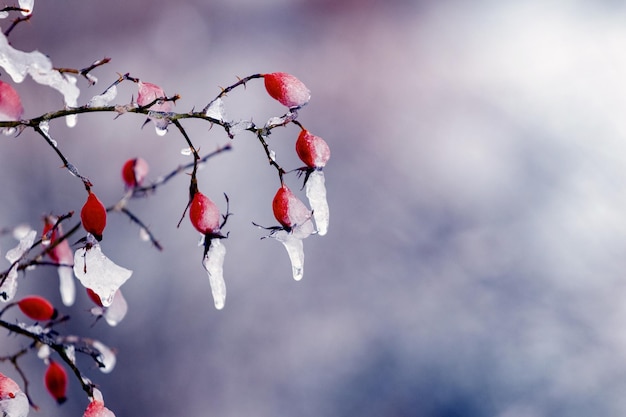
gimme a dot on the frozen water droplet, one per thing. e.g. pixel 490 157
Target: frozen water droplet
pixel 144 235
pixel 71 120
pixel 117 310
pixel 161 131
pixel 273 155
pixel 4 15
pixel 216 110
pixel 316 193
pixel 213 263
pixel 43 352
pixel 70 351
pixel 186 151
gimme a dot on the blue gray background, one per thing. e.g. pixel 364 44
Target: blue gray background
pixel 474 264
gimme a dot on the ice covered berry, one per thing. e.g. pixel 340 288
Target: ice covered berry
pixel 312 150
pixel 134 172
pixel 37 308
pixel 94 216
pixel 288 209
pixel 10 103
pixel 204 214
pixel 56 381
pixel 287 89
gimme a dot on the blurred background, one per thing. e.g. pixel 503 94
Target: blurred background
pixel 474 261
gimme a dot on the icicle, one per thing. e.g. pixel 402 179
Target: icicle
pixel 213 263
pixel 316 193
pixel 67 287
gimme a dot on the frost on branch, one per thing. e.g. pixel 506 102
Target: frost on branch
pixel 105 98
pixel 18 64
pixel 213 263
pixel 98 273
pixel 13 401
pixel 216 110
pixel 107 356
pixel 316 193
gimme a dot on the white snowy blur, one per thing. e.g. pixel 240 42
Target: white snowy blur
pixel 98 273
pixel 213 263
pixel 316 193
pixel 67 287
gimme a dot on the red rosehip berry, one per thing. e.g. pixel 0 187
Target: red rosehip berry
pixel 37 308
pixel 10 103
pixel 94 216
pixel 287 89
pixel 288 209
pixel 204 214
pixel 312 150
pixel 56 381
pixel 94 297
pixel 134 172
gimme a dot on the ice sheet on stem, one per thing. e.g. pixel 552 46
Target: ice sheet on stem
pixel 98 273
pixel 213 263
pixel 316 193
pixel 9 287
pixel 18 64
pixel 104 98
pixel 26 239
pixel 13 401
pixel 216 110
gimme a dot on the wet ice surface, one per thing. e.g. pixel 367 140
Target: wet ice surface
pixel 98 273
pixel 216 110
pixel 316 193
pixel 18 64
pixel 213 263
pixel 103 99
pixel 292 240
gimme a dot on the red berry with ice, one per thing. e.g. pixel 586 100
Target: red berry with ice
pixel 94 216
pixel 134 172
pixel 312 150
pixel 287 89
pixel 288 209
pixel 204 214
pixel 10 103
